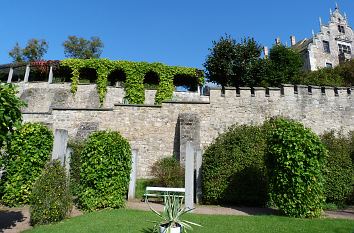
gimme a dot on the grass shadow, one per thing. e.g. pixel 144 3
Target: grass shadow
pixel 148 230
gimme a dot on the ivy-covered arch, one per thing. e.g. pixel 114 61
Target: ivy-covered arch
pixel 135 73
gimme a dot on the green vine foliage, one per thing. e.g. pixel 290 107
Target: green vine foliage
pixel 135 72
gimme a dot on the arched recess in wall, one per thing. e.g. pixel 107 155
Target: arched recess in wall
pixel 185 83
pixel 117 78
pixel 62 74
pixel 88 75
pixel 151 80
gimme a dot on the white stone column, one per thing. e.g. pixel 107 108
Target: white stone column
pixel 198 177
pixel 50 78
pixel 60 145
pixel 9 78
pixel 189 175
pixel 28 69
pixel 132 183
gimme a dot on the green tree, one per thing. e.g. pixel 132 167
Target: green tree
pixel 78 47
pixel 34 51
pixel 235 64
pixel 10 112
pixel 17 54
pixel 286 65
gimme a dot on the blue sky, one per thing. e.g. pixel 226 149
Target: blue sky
pixel 172 32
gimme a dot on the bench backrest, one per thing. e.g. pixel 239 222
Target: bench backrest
pixel 165 189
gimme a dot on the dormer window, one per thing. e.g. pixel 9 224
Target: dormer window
pixel 341 29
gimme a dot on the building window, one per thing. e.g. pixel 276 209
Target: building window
pixel 344 49
pixel 329 65
pixel 326 48
pixel 341 29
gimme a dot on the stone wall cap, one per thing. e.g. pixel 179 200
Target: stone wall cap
pixel 287 85
pixel 244 88
pixel 315 87
pixel 215 88
pixel 230 88
pixel 273 88
pixel 302 86
pixel 185 102
pixel 259 88
pixel 138 105
pixel 83 109
pixel 37 113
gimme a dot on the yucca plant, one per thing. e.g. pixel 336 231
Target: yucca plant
pixel 171 216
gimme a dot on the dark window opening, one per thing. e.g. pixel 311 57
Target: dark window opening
pixel 341 29
pixel 116 78
pixel 88 75
pixel 185 83
pixel 326 47
pixel 329 65
pixel 344 49
pixel 151 80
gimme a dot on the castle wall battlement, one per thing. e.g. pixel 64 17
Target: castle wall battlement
pixel 154 130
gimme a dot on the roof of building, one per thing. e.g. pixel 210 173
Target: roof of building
pixel 302 45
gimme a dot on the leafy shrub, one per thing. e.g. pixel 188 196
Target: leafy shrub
pixel 295 159
pixel 339 168
pixel 27 154
pixel 10 112
pixel 233 169
pixel 105 171
pixel 168 173
pixel 75 165
pixel 50 199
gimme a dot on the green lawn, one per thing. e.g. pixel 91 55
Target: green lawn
pixel 137 221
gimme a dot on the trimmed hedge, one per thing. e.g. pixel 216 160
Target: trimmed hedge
pixel 27 154
pixel 295 159
pixel 105 171
pixel 51 198
pixel 339 168
pixel 168 173
pixel 75 164
pixel 233 169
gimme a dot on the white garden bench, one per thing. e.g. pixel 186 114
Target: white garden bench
pixel 163 191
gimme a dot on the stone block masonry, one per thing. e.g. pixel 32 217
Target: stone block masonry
pixel 155 130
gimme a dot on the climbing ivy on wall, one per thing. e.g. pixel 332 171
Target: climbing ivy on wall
pixel 135 72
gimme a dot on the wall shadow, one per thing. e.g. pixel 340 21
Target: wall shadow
pixel 9 219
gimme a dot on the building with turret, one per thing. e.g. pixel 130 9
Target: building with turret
pixel 329 47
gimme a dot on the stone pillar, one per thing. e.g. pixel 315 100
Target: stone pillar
pixel 198 176
pixel 132 183
pixel 189 176
pixel 50 78
pixel 60 145
pixel 189 128
pixel 9 78
pixel 28 69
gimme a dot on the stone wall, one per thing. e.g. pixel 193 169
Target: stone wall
pixel 155 130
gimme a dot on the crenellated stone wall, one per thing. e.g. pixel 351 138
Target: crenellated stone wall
pixel 155 130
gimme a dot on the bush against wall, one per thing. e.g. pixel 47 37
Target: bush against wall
pixel 295 159
pixel 51 198
pixel 168 173
pixel 233 169
pixel 105 171
pixel 27 154
pixel 339 168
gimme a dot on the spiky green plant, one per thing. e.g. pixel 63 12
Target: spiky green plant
pixel 172 213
